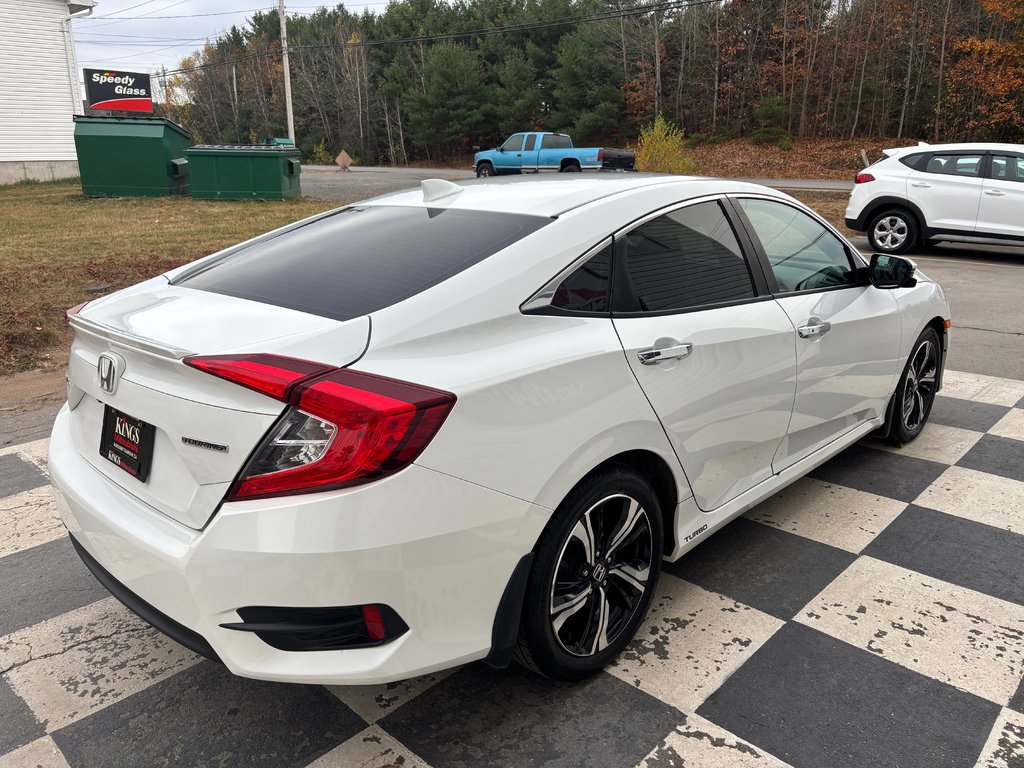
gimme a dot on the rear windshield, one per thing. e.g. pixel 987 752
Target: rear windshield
pixel 360 260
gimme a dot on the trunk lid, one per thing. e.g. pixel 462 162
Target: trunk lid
pixel 204 428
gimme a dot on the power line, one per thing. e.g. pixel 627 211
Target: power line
pixel 669 5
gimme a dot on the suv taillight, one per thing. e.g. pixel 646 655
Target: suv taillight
pixel 863 178
pixel 343 428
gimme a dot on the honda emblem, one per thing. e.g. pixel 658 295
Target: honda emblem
pixel 108 370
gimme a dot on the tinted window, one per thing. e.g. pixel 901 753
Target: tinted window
pixel 360 260
pixel 1008 168
pixel 686 258
pixel 555 141
pixel 587 289
pixel 804 255
pixel 953 165
pixel 531 142
pixel 513 143
pixel 913 161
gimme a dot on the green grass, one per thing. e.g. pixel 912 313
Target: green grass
pixel 55 243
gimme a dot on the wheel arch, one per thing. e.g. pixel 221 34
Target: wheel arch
pixel 567 161
pixel 653 468
pixel 888 202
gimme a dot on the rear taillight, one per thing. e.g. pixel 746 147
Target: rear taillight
pixel 600 155
pixel 863 178
pixel 69 313
pixel 344 427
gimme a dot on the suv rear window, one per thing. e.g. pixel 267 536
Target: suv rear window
pixel 362 259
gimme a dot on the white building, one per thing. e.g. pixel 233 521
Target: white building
pixel 39 89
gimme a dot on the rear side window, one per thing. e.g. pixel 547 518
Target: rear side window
pixel 555 141
pixel 954 165
pixel 360 260
pixel 588 288
pixel 686 258
pixel 1007 168
pixel 531 142
pixel 914 161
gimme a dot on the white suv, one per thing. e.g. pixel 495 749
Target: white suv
pixel 968 193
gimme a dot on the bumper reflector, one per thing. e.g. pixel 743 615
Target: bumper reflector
pixel 321 629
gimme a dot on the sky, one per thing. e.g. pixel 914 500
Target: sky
pixel 159 33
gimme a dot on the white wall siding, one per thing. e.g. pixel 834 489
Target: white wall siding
pixel 38 83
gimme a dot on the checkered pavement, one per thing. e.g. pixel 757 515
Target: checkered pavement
pixel 869 615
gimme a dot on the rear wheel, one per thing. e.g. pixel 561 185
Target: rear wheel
pixel 893 231
pixel 594 574
pixel 915 393
pixel 570 168
pixel 484 170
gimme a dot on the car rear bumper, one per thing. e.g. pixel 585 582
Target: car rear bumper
pixel 437 550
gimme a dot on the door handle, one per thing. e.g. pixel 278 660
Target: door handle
pixel 995 192
pixel 921 185
pixel 814 327
pixel 654 356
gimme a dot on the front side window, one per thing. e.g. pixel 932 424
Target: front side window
pixel 513 143
pixel 1008 168
pixel 954 165
pixel 684 259
pixel 588 288
pixel 803 254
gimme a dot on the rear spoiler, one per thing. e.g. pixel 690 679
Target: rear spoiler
pixel 894 150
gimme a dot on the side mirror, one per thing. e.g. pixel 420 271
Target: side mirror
pixel 891 272
pixel 501 149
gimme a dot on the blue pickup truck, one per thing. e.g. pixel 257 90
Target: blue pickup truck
pixel 545 151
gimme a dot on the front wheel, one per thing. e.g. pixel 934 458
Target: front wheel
pixel 484 170
pixel 915 393
pixel 595 572
pixel 893 231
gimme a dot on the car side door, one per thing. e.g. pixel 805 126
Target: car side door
pixel 947 189
pixel 848 334
pixel 1002 196
pixel 510 156
pixel 711 349
pixel 530 152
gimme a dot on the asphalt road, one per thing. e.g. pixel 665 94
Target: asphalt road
pixel 985 285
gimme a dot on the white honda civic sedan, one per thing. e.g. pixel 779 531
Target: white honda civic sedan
pixel 461 423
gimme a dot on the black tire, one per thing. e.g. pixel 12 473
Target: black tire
pixel 608 586
pixel 484 170
pixel 892 231
pixel 915 392
pixel 570 168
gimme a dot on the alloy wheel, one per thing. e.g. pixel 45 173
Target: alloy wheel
pixel 891 232
pixel 919 390
pixel 601 575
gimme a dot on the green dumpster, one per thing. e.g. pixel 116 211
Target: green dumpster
pixel 244 171
pixel 131 156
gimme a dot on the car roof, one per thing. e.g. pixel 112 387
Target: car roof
pixel 555 194
pixel 976 146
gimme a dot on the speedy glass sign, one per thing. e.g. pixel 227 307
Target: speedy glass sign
pixel 114 89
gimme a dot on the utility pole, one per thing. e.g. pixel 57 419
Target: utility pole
pixel 167 92
pixel 287 71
